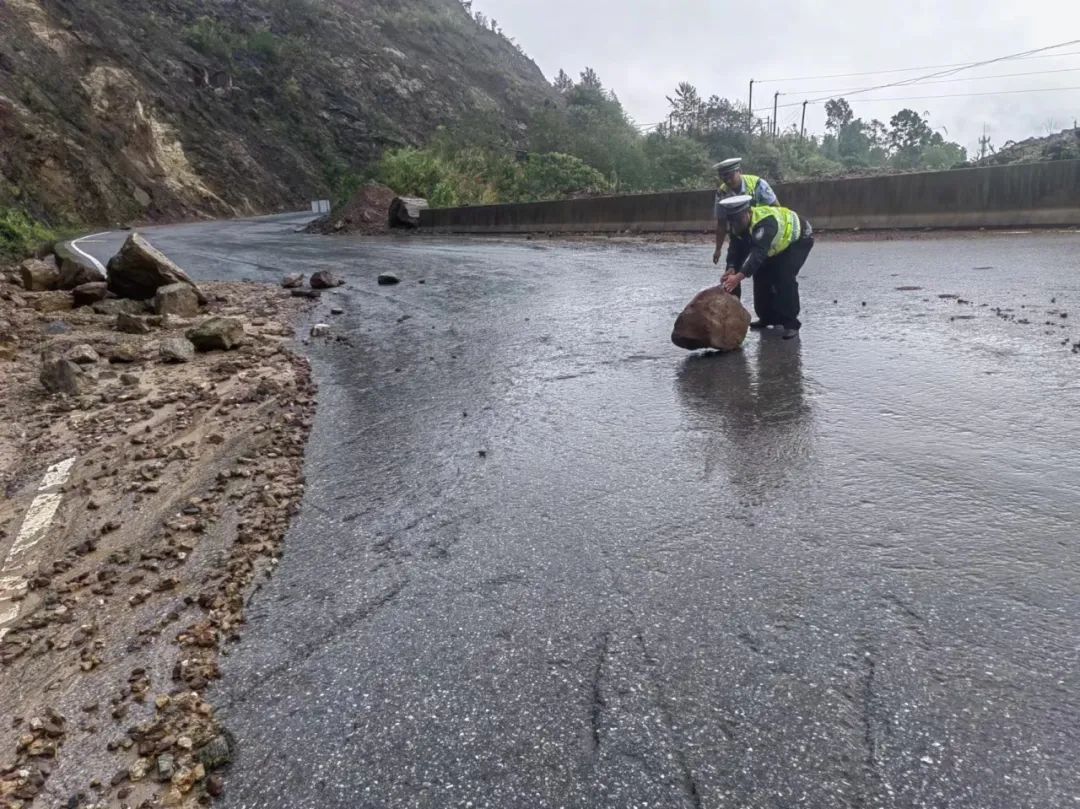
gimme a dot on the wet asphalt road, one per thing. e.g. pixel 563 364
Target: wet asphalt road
pixel 549 560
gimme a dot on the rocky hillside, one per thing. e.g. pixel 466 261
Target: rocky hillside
pixel 118 110
pixel 1064 145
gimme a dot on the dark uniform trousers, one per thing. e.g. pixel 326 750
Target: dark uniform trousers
pixel 776 286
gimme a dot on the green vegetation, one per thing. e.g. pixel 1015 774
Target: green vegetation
pixel 587 145
pixel 216 39
pixel 21 234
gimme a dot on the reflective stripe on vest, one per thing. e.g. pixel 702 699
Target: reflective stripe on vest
pixel 751 183
pixel 787 230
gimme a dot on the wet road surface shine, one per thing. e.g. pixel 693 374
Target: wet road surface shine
pixel 838 572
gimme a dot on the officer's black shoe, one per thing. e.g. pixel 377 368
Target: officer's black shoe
pixel 790 334
pixel 758 324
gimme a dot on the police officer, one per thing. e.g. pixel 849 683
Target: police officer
pixel 732 183
pixel 769 244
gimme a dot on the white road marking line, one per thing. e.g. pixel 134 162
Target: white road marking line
pixel 36 523
pixel 81 252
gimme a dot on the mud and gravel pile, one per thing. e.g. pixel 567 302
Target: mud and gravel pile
pixel 185 437
pixel 367 212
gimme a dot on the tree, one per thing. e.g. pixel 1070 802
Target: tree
pixel 677 162
pixel 687 111
pixel 590 80
pixel 563 82
pixel 838 114
pixel 909 130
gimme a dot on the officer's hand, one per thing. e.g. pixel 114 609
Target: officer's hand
pixel 716 256
pixel 732 281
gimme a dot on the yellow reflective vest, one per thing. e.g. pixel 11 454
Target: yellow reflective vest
pixel 788 228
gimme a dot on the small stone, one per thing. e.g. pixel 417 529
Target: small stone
pixel 215 786
pixel 293 280
pixel 336 310
pixel 324 279
pixel 39 276
pixel 64 376
pixel 217 334
pixel 176 350
pixel 58 327
pixel 130 324
pixel 320 330
pixel 306 293
pixel 179 300
pixel 216 753
pixel 83 354
pixel 89 294
pixel 123 353
pixel 165 767
pixel 388 279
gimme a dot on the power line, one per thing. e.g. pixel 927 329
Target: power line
pixel 904 69
pixel 948 95
pixel 961 78
pixel 952 71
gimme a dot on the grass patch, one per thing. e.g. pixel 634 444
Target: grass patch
pixel 21 234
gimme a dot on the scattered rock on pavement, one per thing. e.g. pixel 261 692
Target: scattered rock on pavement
pixel 177 349
pixel 131 324
pixel 116 306
pixel 324 279
pixel 89 294
pixel 713 319
pixel 320 330
pixel 59 375
pixel 83 354
pixel 293 281
pixel 139 269
pixel 336 310
pixel 306 293
pixel 217 334
pixel 388 279
pixel 176 299
pixel 38 275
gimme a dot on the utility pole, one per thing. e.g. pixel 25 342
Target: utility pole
pixel 775 100
pixel 984 143
pixel 802 126
pixel 750 110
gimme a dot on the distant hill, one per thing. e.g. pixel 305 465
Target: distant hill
pixel 112 110
pixel 1064 145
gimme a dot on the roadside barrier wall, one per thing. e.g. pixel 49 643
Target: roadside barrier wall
pixel 1027 195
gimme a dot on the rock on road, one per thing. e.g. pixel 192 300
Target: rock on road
pixel 546 559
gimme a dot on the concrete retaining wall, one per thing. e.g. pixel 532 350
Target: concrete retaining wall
pixel 1030 195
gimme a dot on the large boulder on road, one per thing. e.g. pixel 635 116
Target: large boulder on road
pixel 75 268
pixel 713 319
pixel 176 299
pixel 217 334
pixel 139 270
pixel 38 275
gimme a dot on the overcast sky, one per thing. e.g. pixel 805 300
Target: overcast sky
pixel 643 48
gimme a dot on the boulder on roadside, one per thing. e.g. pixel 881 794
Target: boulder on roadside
pixel 60 375
pixel 176 299
pixel 713 319
pixel 324 279
pixel 83 354
pixel 177 349
pixel 76 269
pixel 89 294
pixel 388 279
pixel 218 334
pixel 139 269
pixel 39 275
pixel 117 306
pixel 293 281
pixel 55 301
pixel 131 324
